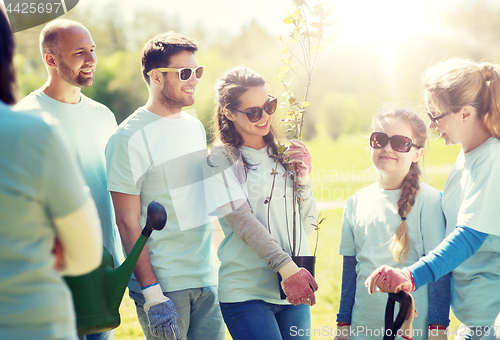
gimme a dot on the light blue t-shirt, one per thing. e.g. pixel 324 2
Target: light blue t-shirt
pixel 370 217
pixel 39 181
pixel 160 159
pixel 243 275
pixel 88 126
pixel 471 198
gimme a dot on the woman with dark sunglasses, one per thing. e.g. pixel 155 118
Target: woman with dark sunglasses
pixel 463 102
pixel 394 221
pixel 256 245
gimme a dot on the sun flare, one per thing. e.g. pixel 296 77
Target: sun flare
pixel 381 24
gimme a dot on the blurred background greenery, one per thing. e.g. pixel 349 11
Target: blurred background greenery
pixel 376 57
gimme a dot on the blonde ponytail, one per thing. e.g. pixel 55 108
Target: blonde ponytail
pixel 491 117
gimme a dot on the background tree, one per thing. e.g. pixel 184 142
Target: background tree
pixel 352 80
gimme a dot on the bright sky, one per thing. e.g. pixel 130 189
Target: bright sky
pixel 214 15
pixel 381 23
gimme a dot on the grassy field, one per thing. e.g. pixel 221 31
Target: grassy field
pixel 340 168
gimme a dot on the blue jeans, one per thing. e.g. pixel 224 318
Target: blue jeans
pixel 99 336
pixel 257 319
pixel 198 310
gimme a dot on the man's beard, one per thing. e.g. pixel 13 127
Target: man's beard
pixel 74 79
pixel 169 100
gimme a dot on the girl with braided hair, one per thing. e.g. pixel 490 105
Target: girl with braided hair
pixel 394 221
pixel 463 104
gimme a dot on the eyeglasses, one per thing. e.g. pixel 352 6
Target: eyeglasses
pixel 255 114
pixel 435 119
pixel 379 140
pixel 185 73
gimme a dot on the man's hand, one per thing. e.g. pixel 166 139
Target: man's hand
pixel 163 321
pixel 390 280
pixel 161 314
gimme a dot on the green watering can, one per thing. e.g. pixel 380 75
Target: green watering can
pixel 98 294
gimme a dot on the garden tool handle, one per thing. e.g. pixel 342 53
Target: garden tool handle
pixel 394 325
pixel 156 218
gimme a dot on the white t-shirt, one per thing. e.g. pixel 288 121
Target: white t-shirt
pixel 370 217
pixel 243 275
pixel 88 125
pixel 471 198
pixel 161 159
pixel 39 182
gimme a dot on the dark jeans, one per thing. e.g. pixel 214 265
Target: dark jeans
pixel 257 319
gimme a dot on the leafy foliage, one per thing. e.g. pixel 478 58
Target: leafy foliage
pixel 304 45
pixel 308 37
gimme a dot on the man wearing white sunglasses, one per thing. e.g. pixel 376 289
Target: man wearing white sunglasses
pixel 156 154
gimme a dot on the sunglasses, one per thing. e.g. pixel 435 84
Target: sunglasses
pixel 435 119
pixel 379 140
pixel 185 73
pixel 255 114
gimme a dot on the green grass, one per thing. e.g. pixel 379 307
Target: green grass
pixel 342 167
pixel 339 169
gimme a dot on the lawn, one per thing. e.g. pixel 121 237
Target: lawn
pixel 339 169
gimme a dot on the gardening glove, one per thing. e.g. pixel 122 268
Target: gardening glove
pixel 298 284
pixel 161 314
pixel 300 156
pixel 437 332
pixel 390 280
pixel 343 331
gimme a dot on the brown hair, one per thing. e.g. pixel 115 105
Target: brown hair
pixel 228 90
pixel 457 82
pixel 399 244
pixel 157 51
pixel 7 72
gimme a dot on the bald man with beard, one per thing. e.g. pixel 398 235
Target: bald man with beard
pixel 68 53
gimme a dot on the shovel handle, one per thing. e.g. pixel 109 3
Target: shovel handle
pixel 394 325
pixel 156 219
